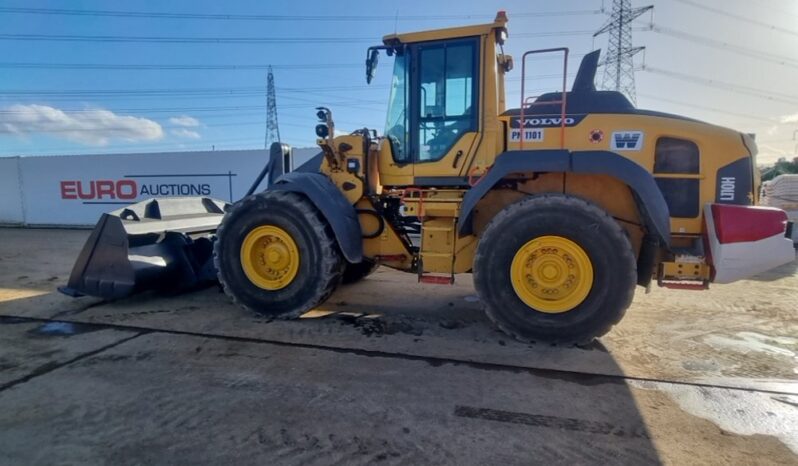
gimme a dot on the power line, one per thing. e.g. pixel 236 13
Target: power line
pixel 710 109
pixel 196 89
pixel 773 96
pixel 231 92
pixel 236 40
pixel 99 92
pixel 163 67
pixel 746 19
pixel 154 109
pixel 231 99
pixel 172 109
pixel 200 66
pixel 225 90
pixel 307 118
pixel 255 17
pixel 309 105
pixel 717 44
pixel 553 33
pixel 187 40
pixel 161 109
pixel 309 126
pixel 301 103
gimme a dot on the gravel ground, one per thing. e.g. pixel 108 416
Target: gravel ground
pixel 385 373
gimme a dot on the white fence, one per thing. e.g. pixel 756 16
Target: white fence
pixel 75 190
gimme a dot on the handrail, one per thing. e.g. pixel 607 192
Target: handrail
pixel 562 101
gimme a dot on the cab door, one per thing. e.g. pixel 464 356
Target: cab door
pixel 444 113
pixel 395 156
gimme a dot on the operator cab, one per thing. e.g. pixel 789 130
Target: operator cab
pixel 443 105
pixel 436 109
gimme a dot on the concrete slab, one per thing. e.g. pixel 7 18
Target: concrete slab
pixel 192 400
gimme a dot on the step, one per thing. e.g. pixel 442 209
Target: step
pixel 436 255
pixel 683 285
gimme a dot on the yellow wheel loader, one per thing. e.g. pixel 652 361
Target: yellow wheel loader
pixel 559 207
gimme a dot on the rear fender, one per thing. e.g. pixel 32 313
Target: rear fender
pixel 336 210
pixel 650 201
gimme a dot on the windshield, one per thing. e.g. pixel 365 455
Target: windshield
pixel 396 122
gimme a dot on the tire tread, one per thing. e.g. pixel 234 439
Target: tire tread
pixel 493 233
pixel 332 262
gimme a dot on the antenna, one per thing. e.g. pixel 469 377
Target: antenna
pixel 272 127
pixel 619 62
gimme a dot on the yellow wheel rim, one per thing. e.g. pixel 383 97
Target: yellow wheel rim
pixel 269 257
pixel 551 274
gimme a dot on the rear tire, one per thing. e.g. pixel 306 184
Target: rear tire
pixel 584 235
pixel 316 263
pixel 353 273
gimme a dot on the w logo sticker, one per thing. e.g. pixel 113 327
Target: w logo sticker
pixel 627 140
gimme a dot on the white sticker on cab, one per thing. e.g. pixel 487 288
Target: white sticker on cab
pixel 530 135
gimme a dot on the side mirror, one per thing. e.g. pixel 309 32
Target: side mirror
pixel 371 64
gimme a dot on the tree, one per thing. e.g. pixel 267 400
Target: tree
pixel 781 167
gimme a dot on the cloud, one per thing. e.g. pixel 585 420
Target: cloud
pixel 789 118
pixel 96 127
pixel 185 133
pixel 184 120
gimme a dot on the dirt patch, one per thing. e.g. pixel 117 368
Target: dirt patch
pixel 377 327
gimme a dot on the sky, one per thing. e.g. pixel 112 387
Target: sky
pixel 732 63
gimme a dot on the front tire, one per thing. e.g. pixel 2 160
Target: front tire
pixel 276 256
pixel 555 268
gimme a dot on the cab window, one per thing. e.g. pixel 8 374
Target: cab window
pixel 447 100
pixel 673 155
pixel 680 157
pixel 396 122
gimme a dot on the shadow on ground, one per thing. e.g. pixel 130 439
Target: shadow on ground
pixel 205 399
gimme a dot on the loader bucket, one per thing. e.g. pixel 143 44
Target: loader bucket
pixel 160 244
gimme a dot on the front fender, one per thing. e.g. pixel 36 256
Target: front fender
pixel 336 210
pixel 649 198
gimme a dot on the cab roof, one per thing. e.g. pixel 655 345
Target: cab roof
pixel 448 33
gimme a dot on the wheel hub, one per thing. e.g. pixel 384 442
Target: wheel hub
pixel 269 257
pixel 551 274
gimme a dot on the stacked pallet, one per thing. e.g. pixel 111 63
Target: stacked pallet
pixel 782 192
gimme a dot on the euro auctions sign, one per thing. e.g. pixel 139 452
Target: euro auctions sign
pixel 75 190
pixel 130 189
pixel 122 189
